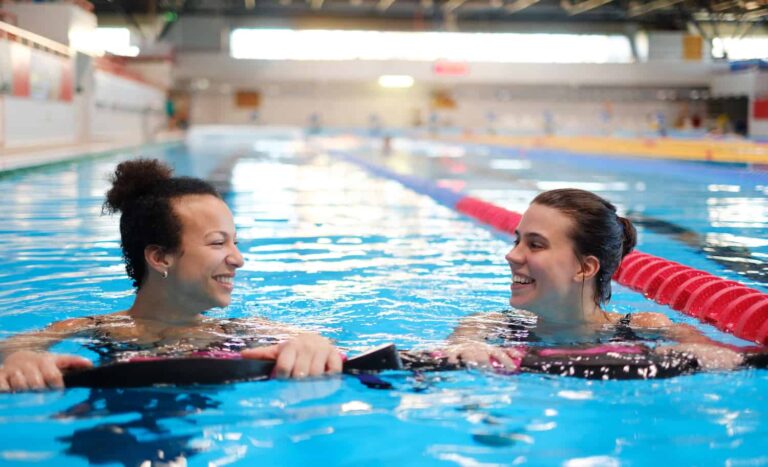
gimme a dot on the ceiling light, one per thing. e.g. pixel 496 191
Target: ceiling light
pixel 395 81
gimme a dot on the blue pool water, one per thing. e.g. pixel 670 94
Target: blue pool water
pixel 366 261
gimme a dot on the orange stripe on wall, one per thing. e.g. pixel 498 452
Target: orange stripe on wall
pixel 20 58
pixel 66 91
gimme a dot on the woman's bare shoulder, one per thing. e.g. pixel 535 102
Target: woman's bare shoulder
pixel 74 325
pixel 259 325
pixel 649 319
pixel 490 316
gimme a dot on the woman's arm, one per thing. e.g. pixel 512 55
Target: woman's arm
pixel 40 341
pixel 477 328
pixel 711 354
pixel 254 326
pixel 26 364
pixel 682 333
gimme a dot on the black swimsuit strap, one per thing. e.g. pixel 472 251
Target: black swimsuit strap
pixel 624 331
pixel 625 320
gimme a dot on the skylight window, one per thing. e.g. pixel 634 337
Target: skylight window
pixel 286 44
pixel 740 49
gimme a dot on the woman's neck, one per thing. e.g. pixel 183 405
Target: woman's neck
pixel 154 305
pixel 575 315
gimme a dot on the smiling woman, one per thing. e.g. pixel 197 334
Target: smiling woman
pixel 568 245
pixel 179 244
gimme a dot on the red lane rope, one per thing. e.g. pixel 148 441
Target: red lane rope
pixel 727 305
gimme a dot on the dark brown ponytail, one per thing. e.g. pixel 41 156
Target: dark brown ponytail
pixel 630 236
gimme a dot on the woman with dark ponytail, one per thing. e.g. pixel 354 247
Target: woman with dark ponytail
pixel 180 249
pixel 568 245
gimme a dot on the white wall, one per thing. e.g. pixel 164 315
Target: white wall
pixel 584 117
pixel 730 84
pixel 283 108
pixel 29 122
pixel 219 67
pixel 668 46
pixel 119 110
pixel 108 107
pixel 346 94
pixel 124 109
pixel 158 72
pixel 750 83
pixel 353 106
pixel 52 20
pixel 759 128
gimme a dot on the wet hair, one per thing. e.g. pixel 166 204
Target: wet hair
pixel 142 191
pixel 597 231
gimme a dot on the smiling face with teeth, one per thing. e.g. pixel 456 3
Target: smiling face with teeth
pixel 547 277
pixel 201 273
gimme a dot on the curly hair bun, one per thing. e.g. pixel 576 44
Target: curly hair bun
pixel 133 179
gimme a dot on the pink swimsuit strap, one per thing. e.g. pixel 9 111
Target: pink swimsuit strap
pixel 597 350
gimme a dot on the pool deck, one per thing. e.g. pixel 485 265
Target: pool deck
pixel 705 150
pixel 35 156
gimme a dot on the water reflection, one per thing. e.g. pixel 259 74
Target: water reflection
pixel 141 440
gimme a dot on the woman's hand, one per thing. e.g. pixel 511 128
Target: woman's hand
pixel 27 370
pixel 483 355
pixel 710 357
pixel 303 356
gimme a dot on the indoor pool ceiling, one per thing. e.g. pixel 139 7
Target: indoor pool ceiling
pixel 666 14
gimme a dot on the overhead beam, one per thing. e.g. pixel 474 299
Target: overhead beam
pixel 637 9
pixel 384 5
pixel 519 5
pixel 755 15
pixel 452 5
pixel 724 5
pixel 581 7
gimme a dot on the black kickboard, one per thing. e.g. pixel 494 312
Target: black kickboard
pixel 203 371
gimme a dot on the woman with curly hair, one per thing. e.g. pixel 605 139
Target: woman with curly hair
pixel 180 248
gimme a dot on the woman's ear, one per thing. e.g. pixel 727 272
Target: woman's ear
pixel 590 266
pixel 158 259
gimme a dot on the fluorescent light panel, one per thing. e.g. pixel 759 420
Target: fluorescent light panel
pixel 116 41
pixel 396 81
pixel 287 44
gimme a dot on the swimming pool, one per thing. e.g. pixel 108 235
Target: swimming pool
pixel 367 261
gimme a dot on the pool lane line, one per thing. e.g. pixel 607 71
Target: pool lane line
pixel 728 305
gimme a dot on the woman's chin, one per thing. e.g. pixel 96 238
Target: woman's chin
pixel 518 302
pixel 220 302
